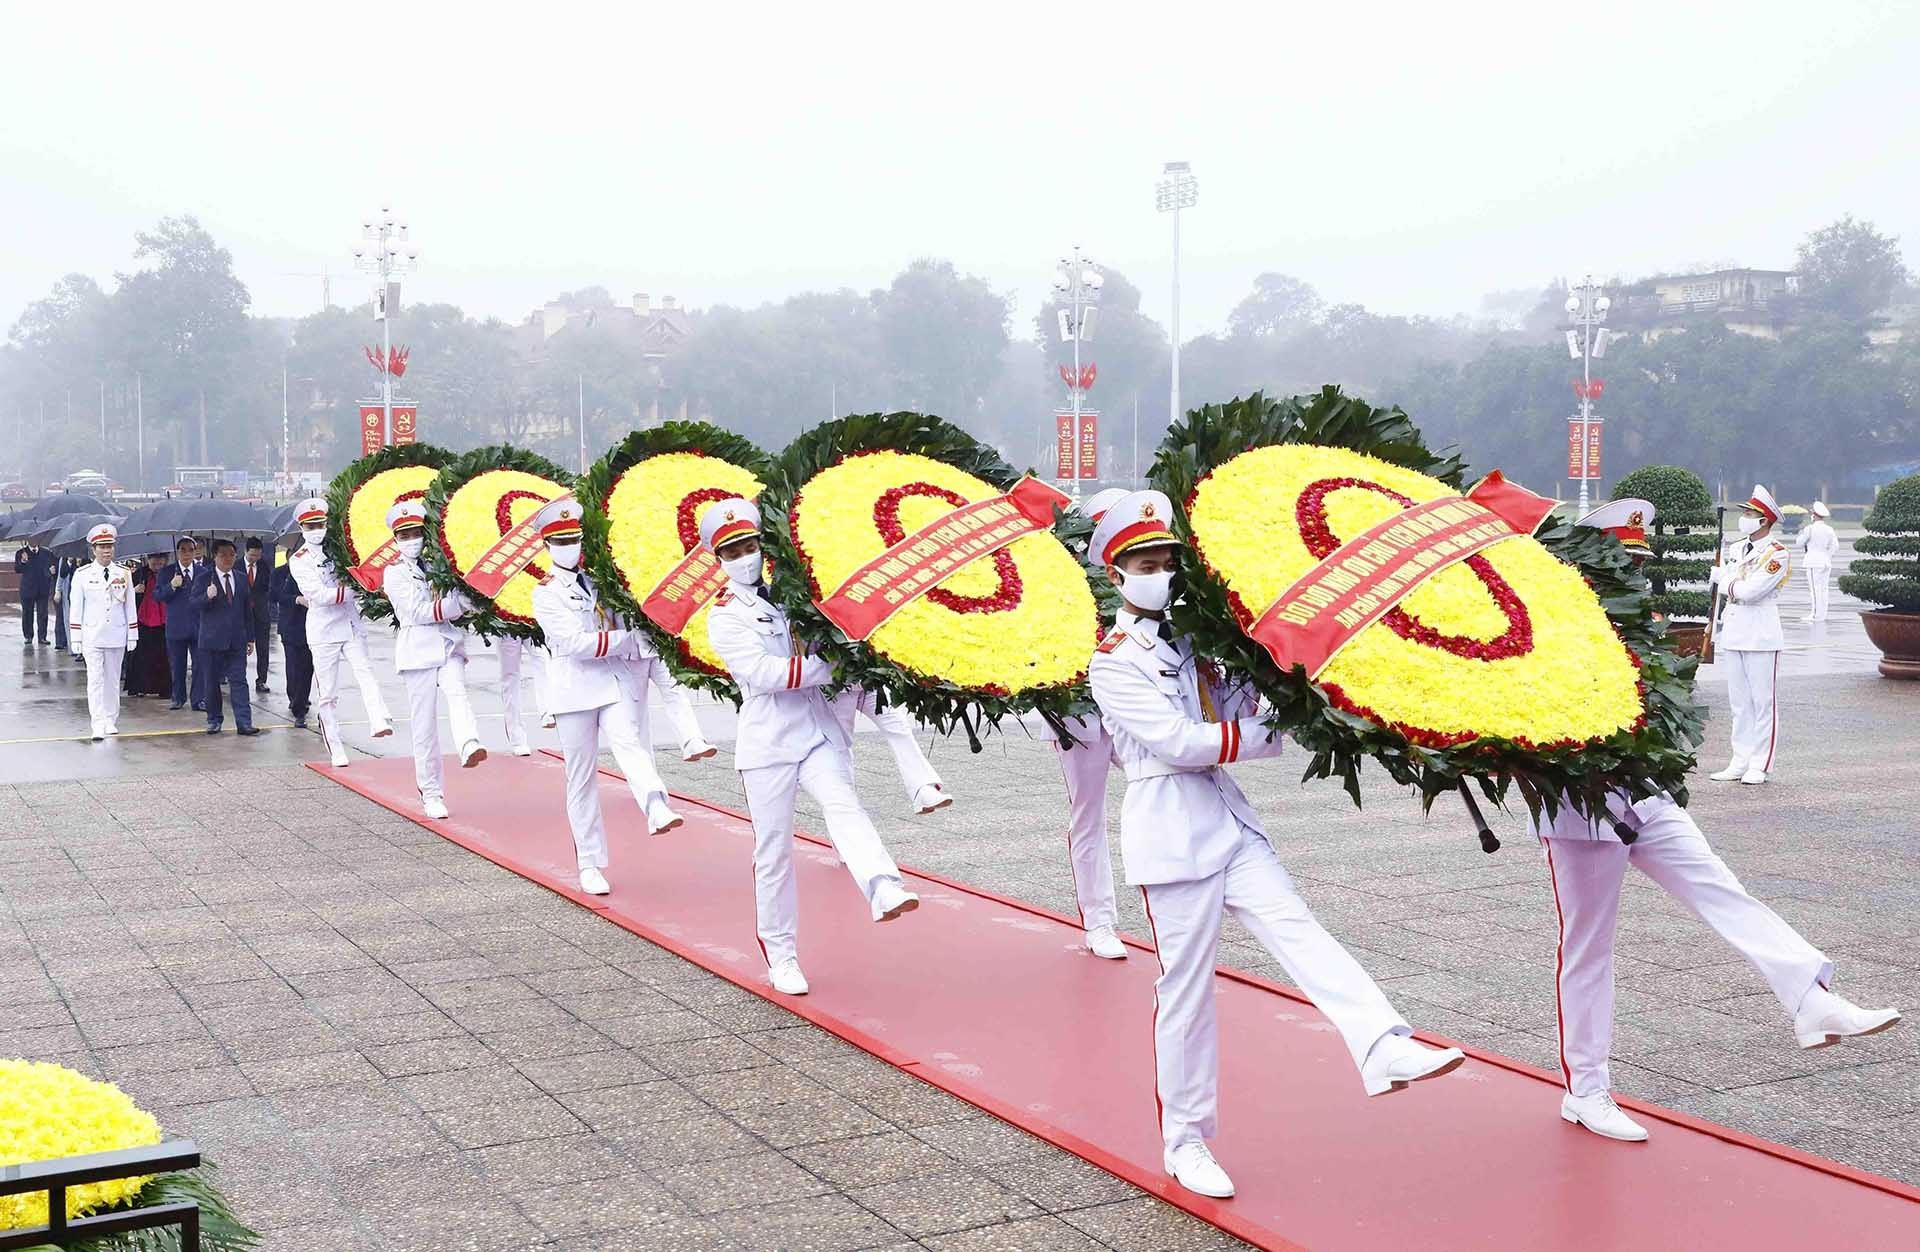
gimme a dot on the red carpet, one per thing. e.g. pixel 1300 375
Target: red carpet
pixel 995 1002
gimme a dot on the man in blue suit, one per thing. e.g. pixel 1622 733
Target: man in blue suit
pixel 226 635
pixel 183 624
pixel 293 642
pixel 36 567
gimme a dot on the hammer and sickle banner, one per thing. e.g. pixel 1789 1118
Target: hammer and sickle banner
pixel 877 590
pixel 513 552
pixel 370 573
pixel 1357 583
pixel 685 589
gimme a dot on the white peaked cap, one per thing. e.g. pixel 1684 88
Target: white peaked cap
pixel 728 520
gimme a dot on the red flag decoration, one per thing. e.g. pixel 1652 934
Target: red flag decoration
pixel 394 363
pixel 1087 376
pixel 1066 375
pixel 1589 391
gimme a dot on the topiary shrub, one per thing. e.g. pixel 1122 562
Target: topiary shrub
pixel 1683 536
pixel 1887 572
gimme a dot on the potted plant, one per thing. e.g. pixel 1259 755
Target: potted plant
pixel 1683 538
pixel 1887 573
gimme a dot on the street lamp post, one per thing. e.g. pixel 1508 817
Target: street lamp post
pixel 1586 307
pixel 386 250
pixel 1078 282
pixel 1176 190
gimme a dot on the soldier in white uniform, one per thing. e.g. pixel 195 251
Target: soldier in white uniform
pixel 1819 542
pixel 1193 845
pixel 101 628
pixel 336 633
pixel 431 655
pixel 788 737
pixel 596 688
pixel 1748 637
pixel 1085 768
pixel 1587 861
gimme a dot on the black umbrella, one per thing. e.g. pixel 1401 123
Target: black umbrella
pixel 179 516
pixel 71 538
pixel 21 524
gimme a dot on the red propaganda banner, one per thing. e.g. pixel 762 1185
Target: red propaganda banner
pixel 373 435
pixel 371 572
pixel 1358 582
pixel 1593 447
pixel 406 421
pixel 1063 440
pixel 953 541
pixel 1089 443
pixel 513 552
pixel 685 589
pixel 1575 438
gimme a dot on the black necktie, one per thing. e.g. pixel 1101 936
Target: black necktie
pixel 226 583
pixel 1164 630
pixel 580 576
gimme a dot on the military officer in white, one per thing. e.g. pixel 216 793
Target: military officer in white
pixel 596 688
pixel 336 632
pixel 1748 637
pixel 1085 768
pixel 1587 860
pixel 788 737
pixel 101 628
pixel 1193 845
pixel 1818 543
pixel 431 655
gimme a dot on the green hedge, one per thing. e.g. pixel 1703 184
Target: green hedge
pixel 1889 573
pixel 1684 536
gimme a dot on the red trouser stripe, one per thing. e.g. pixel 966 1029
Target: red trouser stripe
pixel 1159 1107
pixel 1559 965
pixel 1773 731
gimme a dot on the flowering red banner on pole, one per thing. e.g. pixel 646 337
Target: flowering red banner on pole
pixel 1063 441
pixel 373 432
pixel 951 542
pixel 1593 448
pixel 1360 581
pixel 406 420
pixel 1089 443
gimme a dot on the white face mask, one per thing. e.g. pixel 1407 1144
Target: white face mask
pixel 564 555
pixel 410 548
pixel 1748 525
pixel 314 535
pixel 1151 592
pixel 744 570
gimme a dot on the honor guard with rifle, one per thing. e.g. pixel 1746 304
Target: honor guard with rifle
pixel 1747 638
pixel 101 627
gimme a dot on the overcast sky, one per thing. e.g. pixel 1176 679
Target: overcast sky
pixel 1410 157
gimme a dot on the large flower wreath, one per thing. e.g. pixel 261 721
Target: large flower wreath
pixel 1535 663
pixel 472 504
pixel 49 1112
pixel 1007 633
pixel 642 503
pixel 357 504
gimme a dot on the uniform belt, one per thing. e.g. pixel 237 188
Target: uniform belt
pixel 1154 767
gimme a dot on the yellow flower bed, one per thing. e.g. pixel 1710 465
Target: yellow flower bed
pixel 48 1111
pixel 1512 643
pixel 366 521
pixel 1043 636
pixel 653 515
pixel 484 508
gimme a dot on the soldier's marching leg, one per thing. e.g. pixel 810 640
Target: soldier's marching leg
pixel 328 660
pixel 376 704
pixel 460 719
pixel 827 774
pixel 770 794
pixel 1586 876
pixel 579 734
pixel 624 730
pixel 423 713
pixel 679 709
pixel 1185 920
pixel 510 652
pixel 1085 769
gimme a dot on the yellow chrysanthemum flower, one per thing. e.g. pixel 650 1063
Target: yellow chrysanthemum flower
pixel 484 508
pixel 48 1111
pixel 365 526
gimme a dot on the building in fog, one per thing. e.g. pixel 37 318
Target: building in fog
pixel 650 332
pixel 1747 301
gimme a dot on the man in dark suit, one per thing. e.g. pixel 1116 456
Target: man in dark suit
pixel 293 642
pixel 260 578
pixel 183 624
pixel 226 634
pixel 35 565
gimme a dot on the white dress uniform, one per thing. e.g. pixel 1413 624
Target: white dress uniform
pixel 596 688
pixel 1750 579
pixel 431 655
pixel 788 738
pixel 925 792
pixel 1818 544
pixel 102 629
pixel 337 636
pixel 1085 767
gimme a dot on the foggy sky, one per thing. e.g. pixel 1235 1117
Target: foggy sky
pixel 1408 157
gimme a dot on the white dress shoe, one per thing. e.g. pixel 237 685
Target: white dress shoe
pixel 1396 1061
pixel 1194 1168
pixel 1102 942
pixel 471 754
pixel 434 806
pixel 1754 777
pixel 787 978
pixel 1825 1019
pixel 1602 1116
pixel 384 729
pixel 1731 773
pixel 548 721
pixel 340 758
pixel 697 750
pixel 520 747
pixel 930 798
pixel 593 882
pixel 660 818
pixel 890 900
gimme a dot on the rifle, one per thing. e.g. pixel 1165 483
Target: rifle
pixel 1719 550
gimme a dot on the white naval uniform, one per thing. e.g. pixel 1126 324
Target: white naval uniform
pixel 898 729
pixel 1587 861
pixel 1085 768
pixel 336 634
pixel 1819 543
pixel 596 689
pixel 788 737
pixel 102 629
pixel 431 655
pixel 1749 635
pixel 1193 845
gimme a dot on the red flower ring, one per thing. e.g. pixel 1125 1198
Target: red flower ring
pixel 687 516
pixel 503 507
pixel 886 517
pixel 1311 513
